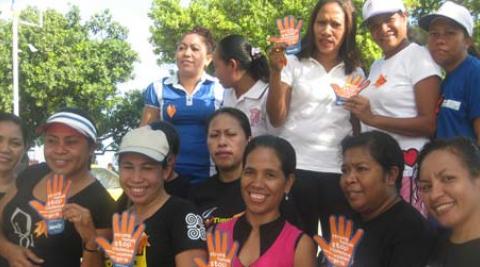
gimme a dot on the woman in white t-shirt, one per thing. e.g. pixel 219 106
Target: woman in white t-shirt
pixel 243 69
pixel 404 87
pixel 302 105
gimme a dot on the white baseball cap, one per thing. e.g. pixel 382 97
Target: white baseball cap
pixel 377 7
pixel 146 141
pixel 453 11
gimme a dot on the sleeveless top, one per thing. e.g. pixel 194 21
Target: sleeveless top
pixel 281 253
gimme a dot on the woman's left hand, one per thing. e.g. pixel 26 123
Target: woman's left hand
pixel 360 107
pixel 81 218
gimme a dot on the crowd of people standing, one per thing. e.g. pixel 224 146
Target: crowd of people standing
pixel 265 152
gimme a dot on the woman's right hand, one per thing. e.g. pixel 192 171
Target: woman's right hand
pixel 18 256
pixel 277 58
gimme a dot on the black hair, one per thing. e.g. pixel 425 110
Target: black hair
pixel 249 59
pixel 237 115
pixel 9 117
pixel 383 148
pixel 170 132
pixel 282 148
pixel 205 34
pixel 465 149
pixel 348 53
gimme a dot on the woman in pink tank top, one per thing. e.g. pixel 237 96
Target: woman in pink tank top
pixel 265 238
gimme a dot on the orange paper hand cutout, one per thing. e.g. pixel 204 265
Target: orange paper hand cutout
pixel 218 254
pixel 52 210
pixel 289 34
pixel 126 238
pixel 56 198
pixel 340 250
pixel 355 84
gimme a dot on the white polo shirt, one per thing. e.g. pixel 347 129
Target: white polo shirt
pixel 253 104
pixel 315 125
pixel 392 94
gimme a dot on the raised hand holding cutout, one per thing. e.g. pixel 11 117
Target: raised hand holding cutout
pixel 289 34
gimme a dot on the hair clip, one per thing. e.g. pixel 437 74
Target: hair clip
pixel 255 52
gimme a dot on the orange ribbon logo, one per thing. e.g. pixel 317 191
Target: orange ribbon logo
pixel 380 81
pixel 171 110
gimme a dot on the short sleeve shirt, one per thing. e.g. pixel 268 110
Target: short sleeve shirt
pixel 448 254
pixel 21 224
pixel 315 124
pixel 461 101
pixel 218 201
pixel 253 104
pixel 188 113
pixel 397 238
pixel 174 228
pixel 392 90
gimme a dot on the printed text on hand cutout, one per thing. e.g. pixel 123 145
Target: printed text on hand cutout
pixel 219 254
pixel 289 34
pixel 122 250
pixel 52 210
pixel 339 251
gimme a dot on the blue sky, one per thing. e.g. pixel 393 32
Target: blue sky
pixel 130 13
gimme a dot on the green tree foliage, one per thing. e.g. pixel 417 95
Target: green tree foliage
pixel 124 116
pixel 255 19
pixel 77 64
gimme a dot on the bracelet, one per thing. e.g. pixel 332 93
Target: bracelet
pixel 84 245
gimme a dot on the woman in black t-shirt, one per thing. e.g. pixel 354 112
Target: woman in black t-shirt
pixel 395 233
pixel 218 198
pixel 28 236
pixel 449 184
pixel 175 232
pixel 13 144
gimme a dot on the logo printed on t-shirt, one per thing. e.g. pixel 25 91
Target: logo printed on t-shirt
pixel 380 81
pixel 255 116
pixel 171 110
pixel 22 227
pixel 410 157
pixel 195 227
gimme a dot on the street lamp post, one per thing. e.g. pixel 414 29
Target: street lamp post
pixel 15 24
pixel 16 97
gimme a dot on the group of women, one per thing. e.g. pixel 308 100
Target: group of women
pixel 319 158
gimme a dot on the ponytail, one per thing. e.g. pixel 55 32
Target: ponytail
pixel 259 68
pixel 248 57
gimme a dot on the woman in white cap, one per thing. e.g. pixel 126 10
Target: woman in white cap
pixel 450 39
pixel 175 232
pixel 403 90
pixel 69 142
